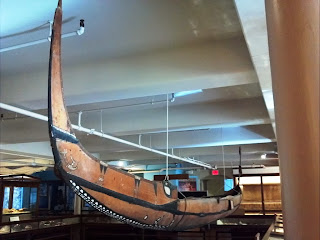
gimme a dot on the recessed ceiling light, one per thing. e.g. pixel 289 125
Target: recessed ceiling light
pixel 185 93
pixel 120 163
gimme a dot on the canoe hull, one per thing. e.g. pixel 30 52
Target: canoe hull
pixel 118 194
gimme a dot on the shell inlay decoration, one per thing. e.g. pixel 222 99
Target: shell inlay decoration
pixel 73 166
pixel 167 190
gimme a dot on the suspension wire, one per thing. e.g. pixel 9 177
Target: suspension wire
pixel 223 163
pixel 101 121
pixel 167 158
pixel 224 169
pixel 240 168
pixel 224 166
pixel 185 207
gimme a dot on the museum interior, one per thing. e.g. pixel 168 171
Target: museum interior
pixel 159 119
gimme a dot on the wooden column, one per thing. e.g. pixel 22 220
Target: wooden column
pixel 262 196
pixel 293 31
pixel 1 200
pixel 10 197
pixel 37 201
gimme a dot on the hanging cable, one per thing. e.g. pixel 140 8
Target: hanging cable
pixel 101 122
pixel 224 166
pixel 240 168
pixel 167 158
pixel 223 162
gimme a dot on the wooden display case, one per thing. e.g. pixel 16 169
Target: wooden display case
pixel 261 196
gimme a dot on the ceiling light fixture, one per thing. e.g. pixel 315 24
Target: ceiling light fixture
pixel 263 156
pixel 120 163
pixel 185 93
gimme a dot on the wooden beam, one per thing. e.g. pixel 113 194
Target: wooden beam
pixel 171 177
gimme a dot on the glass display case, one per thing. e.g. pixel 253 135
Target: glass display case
pixel 18 197
pixel 261 194
pixel 56 198
pixel 37 224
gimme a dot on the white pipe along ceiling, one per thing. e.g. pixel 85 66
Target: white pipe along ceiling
pixel 78 32
pixel 101 134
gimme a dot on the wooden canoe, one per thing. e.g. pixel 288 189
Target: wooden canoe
pixel 116 193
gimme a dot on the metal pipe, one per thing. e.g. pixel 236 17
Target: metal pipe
pixel 24 45
pixel 101 121
pixel 79 32
pixel 164 169
pixel 24 163
pixel 244 166
pixel 129 105
pixel 93 132
pixel 23 155
pixel 79 118
pixel 100 134
pixel 194 168
pixel 140 139
pixel 24 112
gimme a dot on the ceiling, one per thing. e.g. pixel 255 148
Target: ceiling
pixel 119 72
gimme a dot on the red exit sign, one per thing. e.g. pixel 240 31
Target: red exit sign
pixel 215 172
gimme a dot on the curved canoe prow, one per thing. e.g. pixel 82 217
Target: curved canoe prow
pixel 118 194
